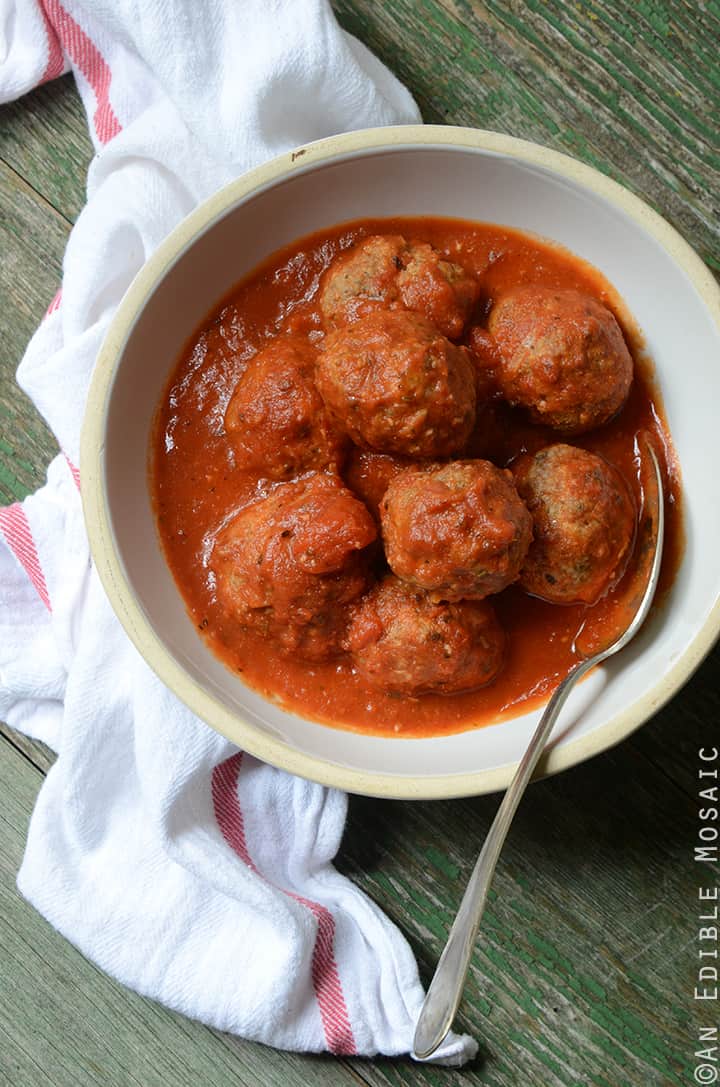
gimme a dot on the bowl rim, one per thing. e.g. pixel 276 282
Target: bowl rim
pixel 205 705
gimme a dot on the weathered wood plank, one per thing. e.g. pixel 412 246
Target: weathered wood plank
pixel 597 81
pixel 579 972
pixel 43 137
pixel 44 152
pixel 672 740
pixel 36 753
pixel 32 242
pixel 66 1024
pixel 583 970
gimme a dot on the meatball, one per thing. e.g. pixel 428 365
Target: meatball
pixel 384 271
pixel 485 356
pixel 287 565
pixel 460 531
pixel 583 524
pixel 362 279
pixel 407 644
pixel 276 418
pixel 369 475
pixel 440 290
pixel 396 385
pixel 563 357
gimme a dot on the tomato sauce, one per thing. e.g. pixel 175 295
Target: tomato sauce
pixel 196 486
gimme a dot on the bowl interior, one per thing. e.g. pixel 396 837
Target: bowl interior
pixel 474 183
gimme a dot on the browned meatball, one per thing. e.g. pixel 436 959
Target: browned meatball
pixel 361 280
pixel 583 523
pixel 385 271
pixel 485 356
pixel 405 643
pixel 276 418
pixel 287 565
pixel 563 357
pixel 460 531
pixel 396 385
pixel 440 290
pixel 369 475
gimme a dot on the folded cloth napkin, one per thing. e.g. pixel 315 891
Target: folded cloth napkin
pixel 185 868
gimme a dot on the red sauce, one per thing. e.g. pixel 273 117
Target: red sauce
pixel 196 488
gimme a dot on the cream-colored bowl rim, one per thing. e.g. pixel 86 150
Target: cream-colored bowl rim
pixel 97 517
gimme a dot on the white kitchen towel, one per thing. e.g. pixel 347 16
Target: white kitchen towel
pixel 185 868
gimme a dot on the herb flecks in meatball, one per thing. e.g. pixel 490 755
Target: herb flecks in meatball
pixel 397 385
pixel 405 643
pixel 276 419
pixel 583 524
pixel 384 271
pixel 563 357
pixel 361 280
pixel 287 565
pixel 459 531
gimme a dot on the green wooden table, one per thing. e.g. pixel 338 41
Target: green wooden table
pixel 585 971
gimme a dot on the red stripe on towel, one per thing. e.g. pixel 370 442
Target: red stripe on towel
pixel 55 304
pixel 88 58
pixel 16 530
pixel 56 61
pixel 73 471
pixel 326 980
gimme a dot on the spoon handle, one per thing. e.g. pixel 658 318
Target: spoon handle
pixel 443 996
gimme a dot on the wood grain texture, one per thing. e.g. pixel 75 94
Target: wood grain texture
pixel 633 90
pixel 40 756
pixel 32 242
pixel 584 971
pixel 44 154
pixel 65 1024
pixel 44 139
pixel 687 723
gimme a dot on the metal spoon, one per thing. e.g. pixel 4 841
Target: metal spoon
pixel 443 996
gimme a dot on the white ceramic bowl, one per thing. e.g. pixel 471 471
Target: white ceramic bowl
pixel 406 171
